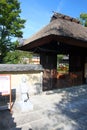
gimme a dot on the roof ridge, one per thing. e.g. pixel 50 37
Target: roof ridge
pixel 65 17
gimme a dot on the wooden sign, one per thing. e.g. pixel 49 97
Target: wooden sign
pixel 5 86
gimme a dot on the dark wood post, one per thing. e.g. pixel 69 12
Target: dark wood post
pixel 49 63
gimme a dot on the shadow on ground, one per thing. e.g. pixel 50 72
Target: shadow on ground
pixel 7 121
pixel 71 112
pixel 64 109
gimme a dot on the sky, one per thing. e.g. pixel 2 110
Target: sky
pixel 37 13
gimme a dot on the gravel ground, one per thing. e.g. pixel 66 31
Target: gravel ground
pixel 62 109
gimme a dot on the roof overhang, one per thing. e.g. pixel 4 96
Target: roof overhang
pixel 60 30
pixel 48 39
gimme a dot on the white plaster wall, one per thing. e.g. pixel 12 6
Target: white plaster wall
pixel 33 83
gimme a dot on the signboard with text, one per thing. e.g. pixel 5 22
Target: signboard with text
pixel 4 84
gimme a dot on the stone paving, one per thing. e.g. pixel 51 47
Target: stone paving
pixel 62 109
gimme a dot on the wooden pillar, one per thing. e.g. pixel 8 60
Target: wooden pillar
pixel 76 68
pixel 49 63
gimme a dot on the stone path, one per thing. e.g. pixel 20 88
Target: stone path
pixel 63 109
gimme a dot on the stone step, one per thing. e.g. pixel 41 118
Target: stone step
pixel 73 90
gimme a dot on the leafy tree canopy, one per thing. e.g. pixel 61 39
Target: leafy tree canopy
pixel 83 19
pixel 10 25
pixel 17 57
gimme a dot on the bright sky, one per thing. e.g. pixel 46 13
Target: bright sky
pixel 38 12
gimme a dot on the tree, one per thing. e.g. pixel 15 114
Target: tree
pixel 17 57
pixel 11 25
pixel 83 19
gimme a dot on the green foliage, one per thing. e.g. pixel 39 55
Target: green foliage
pixel 61 66
pixel 59 57
pixel 83 19
pixel 17 57
pixel 10 24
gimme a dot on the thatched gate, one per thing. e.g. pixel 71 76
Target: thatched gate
pixel 63 35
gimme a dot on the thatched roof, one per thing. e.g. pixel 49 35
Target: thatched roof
pixel 61 28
